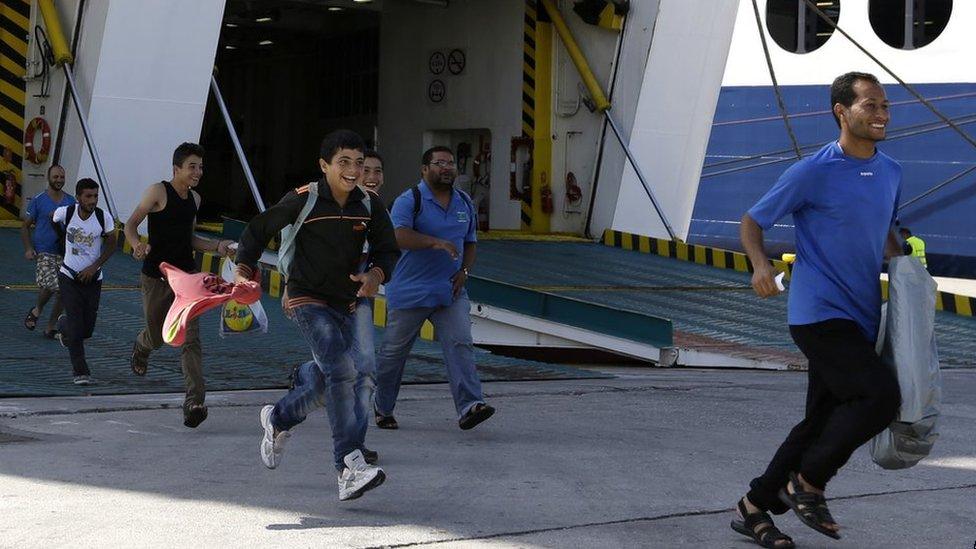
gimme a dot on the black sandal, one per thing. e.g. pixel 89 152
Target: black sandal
pixel 30 321
pixel 478 413
pixel 809 507
pixel 759 526
pixel 385 422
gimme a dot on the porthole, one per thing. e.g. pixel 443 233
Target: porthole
pixel 909 24
pixel 796 27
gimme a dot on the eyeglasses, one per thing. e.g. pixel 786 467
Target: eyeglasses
pixel 443 163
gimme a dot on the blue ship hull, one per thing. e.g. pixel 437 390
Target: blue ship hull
pixel 747 122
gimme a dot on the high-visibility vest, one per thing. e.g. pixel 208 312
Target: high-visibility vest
pixel 918 248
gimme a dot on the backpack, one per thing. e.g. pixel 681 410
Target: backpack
pixel 286 251
pixel 61 229
pixel 417 201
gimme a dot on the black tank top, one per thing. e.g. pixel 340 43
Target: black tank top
pixel 171 234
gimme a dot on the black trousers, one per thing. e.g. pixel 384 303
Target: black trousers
pixel 81 309
pixel 851 396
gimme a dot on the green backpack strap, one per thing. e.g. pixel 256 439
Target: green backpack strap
pixel 286 252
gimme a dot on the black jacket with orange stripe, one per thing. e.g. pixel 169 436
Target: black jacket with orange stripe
pixel 329 246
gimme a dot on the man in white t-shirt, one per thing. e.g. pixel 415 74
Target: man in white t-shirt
pixel 89 240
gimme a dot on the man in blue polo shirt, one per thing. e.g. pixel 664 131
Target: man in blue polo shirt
pixel 44 247
pixel 433 220
pixel 843 201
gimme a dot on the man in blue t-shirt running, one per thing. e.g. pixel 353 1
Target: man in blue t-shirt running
pixel 43 246
pixel 843 201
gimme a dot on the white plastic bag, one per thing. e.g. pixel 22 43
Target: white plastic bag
pixel 236 318
pixel 907 343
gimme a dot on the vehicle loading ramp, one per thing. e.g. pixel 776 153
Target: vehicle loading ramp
pixel 714 312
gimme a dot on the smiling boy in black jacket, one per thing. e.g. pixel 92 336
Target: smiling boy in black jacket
pixel 323 282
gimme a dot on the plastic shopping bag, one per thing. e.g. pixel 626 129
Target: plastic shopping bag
pixel 907 344
pixel 237 318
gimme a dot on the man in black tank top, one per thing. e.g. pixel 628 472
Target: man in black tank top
pixel 171 207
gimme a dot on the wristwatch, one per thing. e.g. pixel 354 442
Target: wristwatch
pixel 464 270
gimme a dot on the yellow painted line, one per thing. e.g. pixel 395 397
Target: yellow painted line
pixel 10 116
pixel 497 234
pixel 638 287
pixel 938 302
pixel 427 331
pixel 700 256
pixel 662 248
pixel 608 237
pixel 210 227
pixel 206 263
pixel 528 70
pixel 527 130
pixel 962 306
pixel 33 287
pixel 10 223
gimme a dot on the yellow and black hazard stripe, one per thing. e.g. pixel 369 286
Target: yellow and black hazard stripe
pixel 14 30
pixel 726 259
pixel 703 255
pixel 528 93
pixel 537 111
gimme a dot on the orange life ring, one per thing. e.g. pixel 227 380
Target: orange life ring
pixel 37 156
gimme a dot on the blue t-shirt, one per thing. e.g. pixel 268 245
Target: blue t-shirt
pixel 422 278
pixel 39 211
pixel 843 208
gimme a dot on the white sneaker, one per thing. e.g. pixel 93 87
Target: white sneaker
pixel 83 380
pixel 272 446
pixel 358 477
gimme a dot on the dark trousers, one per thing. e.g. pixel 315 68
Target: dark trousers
pixel 157 297
pixel 851 396
pixel 80 309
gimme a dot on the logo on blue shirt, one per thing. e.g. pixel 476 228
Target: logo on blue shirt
pixel 462 216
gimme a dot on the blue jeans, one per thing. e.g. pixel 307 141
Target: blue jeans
pixel 329 380
pixel 452 326
pixel 364 358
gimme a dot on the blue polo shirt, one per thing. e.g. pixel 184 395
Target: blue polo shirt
pixel 39 210
pixel 422 278
pixel 843 208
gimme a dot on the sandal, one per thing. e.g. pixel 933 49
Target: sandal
pixel 478 413
pixel 30 321
pixel 809 507
pixel 385 422
pixel 759 526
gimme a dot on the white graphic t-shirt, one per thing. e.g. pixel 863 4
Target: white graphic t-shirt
pixel 83 239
